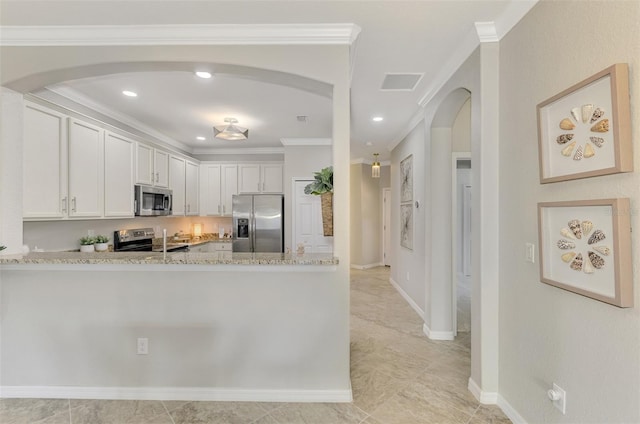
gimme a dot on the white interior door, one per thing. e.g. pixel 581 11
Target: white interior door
pixel 307 221
pixel 386 226
pixel 466 231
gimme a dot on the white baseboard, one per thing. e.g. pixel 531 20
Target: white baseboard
pixel 487 398
pixel 437 335
pixel 368 266
pixel 406 297
pixel 509 411
pixel 175 393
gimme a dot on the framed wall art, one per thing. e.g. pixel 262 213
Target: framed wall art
pixel 406 179
pixel 585 131
pixel 585 247
pixel 406 226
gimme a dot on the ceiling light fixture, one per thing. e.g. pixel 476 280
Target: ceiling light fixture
pixel 130 93
pixel 377 118
pixel 231 131
pixel 201 138
pixel 375 166
pixel 203 74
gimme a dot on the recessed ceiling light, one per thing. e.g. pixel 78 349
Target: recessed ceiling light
pixel 377 118
pixel 201 138
pixel 203 74
pixel 129 93
pixel 369 143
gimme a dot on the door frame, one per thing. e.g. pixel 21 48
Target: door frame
pixel 455 157
pixel 295 180
pixel 385 190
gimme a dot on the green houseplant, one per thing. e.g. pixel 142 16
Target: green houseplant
pixel 323 186
pixel 101 244
pixel 87 244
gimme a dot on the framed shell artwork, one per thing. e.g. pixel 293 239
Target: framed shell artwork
pixel 406 226
pixel 406 179
pixel 585 248
pixel 585 131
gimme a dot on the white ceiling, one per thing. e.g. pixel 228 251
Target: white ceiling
pixel 396 37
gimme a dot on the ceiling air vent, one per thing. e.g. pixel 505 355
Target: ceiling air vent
pixel 302 118
pixel 400 82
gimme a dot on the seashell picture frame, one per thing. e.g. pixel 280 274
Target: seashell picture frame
pixel 585 248
pixel 585 131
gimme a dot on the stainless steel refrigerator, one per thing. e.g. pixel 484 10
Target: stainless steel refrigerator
pixel 258 223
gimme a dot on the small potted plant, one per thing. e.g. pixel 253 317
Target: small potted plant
pixel 101 244
pixel 87 244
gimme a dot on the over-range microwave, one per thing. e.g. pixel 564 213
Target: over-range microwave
pixel 152 201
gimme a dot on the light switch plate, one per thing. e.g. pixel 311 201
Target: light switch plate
pixel 530 252
pixel 561 403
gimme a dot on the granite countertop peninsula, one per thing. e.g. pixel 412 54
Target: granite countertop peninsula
pixel 172 258
pixel 190 241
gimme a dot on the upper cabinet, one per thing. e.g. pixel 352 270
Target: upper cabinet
pixel 86 170
pixel 152 166
pixel 192 189
pixel 177 183
pixel 45 164
pixel 260 178
pixel 118 176
pixel 218 184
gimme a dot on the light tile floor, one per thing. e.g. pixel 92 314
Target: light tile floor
pixel 398 377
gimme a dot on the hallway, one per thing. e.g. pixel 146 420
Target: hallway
pixel 398 377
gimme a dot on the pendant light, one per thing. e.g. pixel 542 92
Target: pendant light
pixel 375 167
pixel 230 131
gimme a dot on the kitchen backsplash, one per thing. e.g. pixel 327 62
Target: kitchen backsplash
pixel 65 235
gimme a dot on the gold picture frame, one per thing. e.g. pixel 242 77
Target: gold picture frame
pixel 585 131
pixel 585 248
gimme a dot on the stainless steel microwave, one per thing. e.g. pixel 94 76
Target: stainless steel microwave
pixel 152 201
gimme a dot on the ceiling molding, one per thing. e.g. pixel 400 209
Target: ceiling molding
pixel 487 32
pixel 238 151
pixel 88 102
pixel 514 12
pixel 306 141
pixel 369 162
pixel 154 35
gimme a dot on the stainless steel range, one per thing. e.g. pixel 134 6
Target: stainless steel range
pixel 137 240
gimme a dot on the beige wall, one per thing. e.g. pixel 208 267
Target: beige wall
pixel 548 335
pixel 461 129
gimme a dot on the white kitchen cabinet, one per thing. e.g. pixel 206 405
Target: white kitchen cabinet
pixel 45 164
pixel 192 190
pixel 118 176
pixel 161 168
pixel 218 184
pixel 152 166
pixel 86 170
pixel 260 178
pixel 177 183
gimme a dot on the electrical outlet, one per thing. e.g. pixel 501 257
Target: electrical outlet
pixel 558 396
pixel 91 233
pixel 143 346
pixel 530 252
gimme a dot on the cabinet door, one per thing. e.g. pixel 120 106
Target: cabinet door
pixel 161 168
pixel 177 184
pixel 249 178
pixel 144 164
pixel 118 176
pixel 44 181
pixel 229 187
pixel 271 177
pixel 210 194
pixel 192 189
pixel 86 170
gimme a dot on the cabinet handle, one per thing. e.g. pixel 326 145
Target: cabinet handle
pixel 153 177
pixel 73 203
pixel 224 209
pixel 157 177
pixel 218 209
pixel 188 208
pixel 263 186
pixel 258 186
pixel 64 204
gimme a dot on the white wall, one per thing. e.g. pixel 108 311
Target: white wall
pixel 461 129
pixel 548 335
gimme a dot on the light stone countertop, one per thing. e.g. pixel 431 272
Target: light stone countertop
pixel 173 258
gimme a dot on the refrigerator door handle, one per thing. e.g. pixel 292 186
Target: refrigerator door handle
pixel 252 231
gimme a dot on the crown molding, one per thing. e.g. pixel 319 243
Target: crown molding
pixel 238 151
pixel 487 32
pixel 153 35
pixel 77 97
pixel 369 162
pixel 306 141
